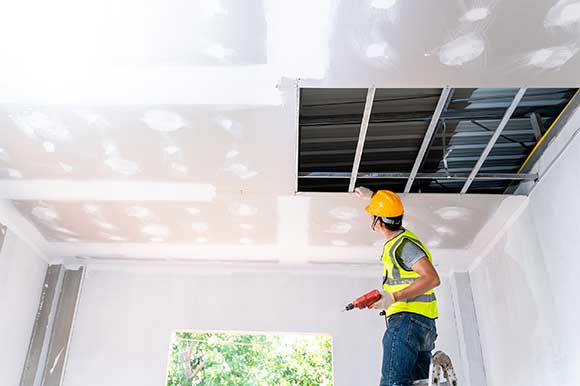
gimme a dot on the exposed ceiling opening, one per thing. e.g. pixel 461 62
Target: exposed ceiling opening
pixel 463 140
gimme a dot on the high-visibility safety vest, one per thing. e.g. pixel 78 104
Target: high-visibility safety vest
pixel 395 278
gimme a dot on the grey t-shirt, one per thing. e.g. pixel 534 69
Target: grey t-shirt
pixel 408 254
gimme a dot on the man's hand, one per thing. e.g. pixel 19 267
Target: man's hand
pixel 386 300
pixel 362 192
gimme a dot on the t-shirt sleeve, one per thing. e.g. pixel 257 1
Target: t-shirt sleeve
pixel 408 254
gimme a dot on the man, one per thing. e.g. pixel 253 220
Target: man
pixel 408 298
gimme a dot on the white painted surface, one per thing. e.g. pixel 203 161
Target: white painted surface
pixel 470 356
pixel 169 52
pixel 448 340
pixel 289 228
pixel 125 318
pixel 21 278
pixel 525 288
pixel 23 228
pixel 196 101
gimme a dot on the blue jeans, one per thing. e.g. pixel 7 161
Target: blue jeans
pixel 407 345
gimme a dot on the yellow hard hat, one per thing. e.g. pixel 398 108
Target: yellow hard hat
pixel 385 203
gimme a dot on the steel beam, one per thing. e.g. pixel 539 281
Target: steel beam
pixel 451 115
pixel 427 140
pixel 41 324
pixel 333 126
pixel 62 327
pixel 398 137
pixel 424 176
pixel 362 137
pixel 536 122
pixel 505 145
pixel 381 163
pixel 493 139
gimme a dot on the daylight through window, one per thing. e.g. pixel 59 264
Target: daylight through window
pixel 225 359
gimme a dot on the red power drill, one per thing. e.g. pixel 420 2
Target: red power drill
pixel 364 301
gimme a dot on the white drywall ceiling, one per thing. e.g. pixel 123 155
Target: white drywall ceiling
pixel 120 122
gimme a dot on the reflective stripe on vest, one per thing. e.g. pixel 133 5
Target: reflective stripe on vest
pixel 422 299
pixel 397 278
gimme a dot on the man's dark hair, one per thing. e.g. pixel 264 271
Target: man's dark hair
pixel 393 228
pixel 393 223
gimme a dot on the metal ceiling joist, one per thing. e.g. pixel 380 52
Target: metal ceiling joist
pixel 396 161
pixel 493 139
pixel 427 140
pixel 383 150
pixel 362 136
pixel 397 137
pixel 332 152
pixel 425 176
pixel 478 114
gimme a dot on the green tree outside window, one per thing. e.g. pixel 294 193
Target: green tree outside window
pixel 226 359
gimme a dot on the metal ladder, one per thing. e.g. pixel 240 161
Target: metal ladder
pixel 441 367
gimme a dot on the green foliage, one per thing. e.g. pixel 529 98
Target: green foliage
pixel 220 359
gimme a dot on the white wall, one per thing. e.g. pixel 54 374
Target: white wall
pixel 21 278
pixel 122 331
pixel 526 287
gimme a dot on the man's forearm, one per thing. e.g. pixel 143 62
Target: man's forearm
pixel 418 287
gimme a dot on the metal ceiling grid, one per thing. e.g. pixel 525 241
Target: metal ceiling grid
pixel 422 140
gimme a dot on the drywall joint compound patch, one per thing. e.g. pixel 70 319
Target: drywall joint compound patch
pixel 461 50
pixel 241 171
pixel 14 173
pixel 243 210
pixel 4 155
pixel 345 213
pixel 117 163
pixel 452 212
pixel 65 167
pixel 155 230
pixel 171 150
pixel 40 127
pixel 45 213
pixel 163 120
pixel 377 50
pixel 383 4
pixel 552 57
pixel 139 212
pixel 340 228
pixel 476 14
pixel 565 13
